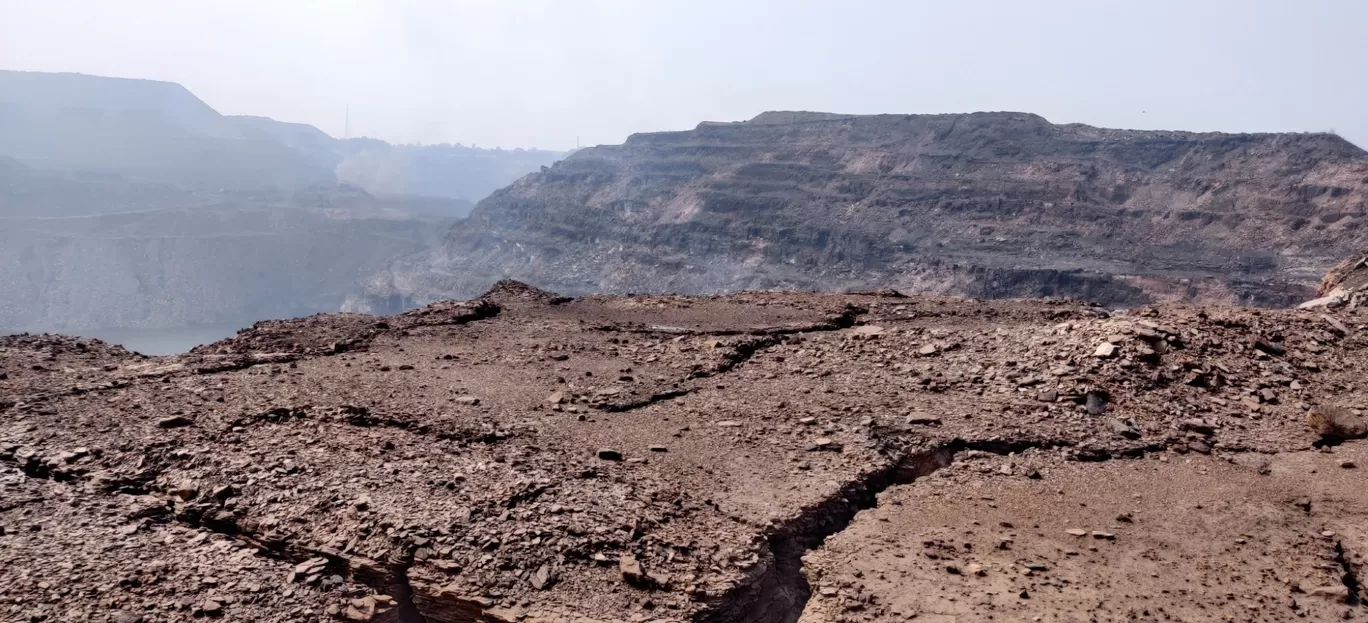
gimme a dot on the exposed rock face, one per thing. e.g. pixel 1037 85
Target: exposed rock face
pixel 986 204
pixel 1351 274
pixel 1345 285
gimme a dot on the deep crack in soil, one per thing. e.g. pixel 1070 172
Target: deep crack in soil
pixel 1350 577
pixel 780 592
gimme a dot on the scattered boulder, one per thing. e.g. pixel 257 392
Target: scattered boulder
pixel 542 578
pixel 634 574
pixel 368 608
pixel 824 443
pixel 1334 423
pixel 1339 593
pixel 185 491
pixel 1123 430
pixel 1202 426
pixel 175 421
pixel 1270 347
pixel 1096 402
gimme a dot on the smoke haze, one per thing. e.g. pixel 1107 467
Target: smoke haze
pixel 550 73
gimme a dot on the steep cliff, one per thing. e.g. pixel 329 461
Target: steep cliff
pixel 983 204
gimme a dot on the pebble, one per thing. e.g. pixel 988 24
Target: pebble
pixel 609 454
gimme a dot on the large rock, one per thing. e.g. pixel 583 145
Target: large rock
pixel 1345 285
pixel 1336 423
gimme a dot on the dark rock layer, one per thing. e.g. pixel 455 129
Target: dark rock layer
pixel 984 204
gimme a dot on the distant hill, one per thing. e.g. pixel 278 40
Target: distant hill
pixel 982 204
pixel 140 129
pixel 153 131
pixel 131 203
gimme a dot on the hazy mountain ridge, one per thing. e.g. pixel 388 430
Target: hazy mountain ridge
pixel 131 203
pixel 984 204
pixel 147 130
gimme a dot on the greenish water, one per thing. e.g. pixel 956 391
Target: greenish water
pixel 162 341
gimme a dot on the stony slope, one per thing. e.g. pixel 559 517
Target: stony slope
pixel 985 204
pixel 526 457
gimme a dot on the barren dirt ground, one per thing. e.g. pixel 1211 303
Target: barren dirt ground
pixel 750 457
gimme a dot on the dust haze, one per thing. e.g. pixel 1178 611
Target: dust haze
pixel 549 74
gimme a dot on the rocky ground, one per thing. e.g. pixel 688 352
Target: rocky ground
pixel 750 457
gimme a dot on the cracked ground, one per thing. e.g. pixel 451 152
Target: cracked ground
pixel 750 457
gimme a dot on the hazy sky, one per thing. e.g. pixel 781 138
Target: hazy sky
pixel 541 73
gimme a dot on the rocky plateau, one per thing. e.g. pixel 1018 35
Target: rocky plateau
pixel 757 456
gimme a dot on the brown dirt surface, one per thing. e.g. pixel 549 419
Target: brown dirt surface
pixel 525 457
pixel 1195 538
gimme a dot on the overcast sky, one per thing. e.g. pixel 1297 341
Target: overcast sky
pixel 542 73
